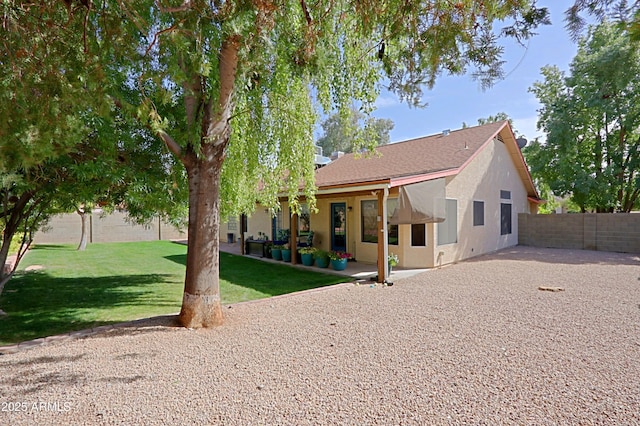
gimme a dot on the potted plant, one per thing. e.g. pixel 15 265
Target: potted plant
pixel 276 251
pixel 339 260
pixel 282 237
pixel 286 253
pixel 306 255
pixel 392 260
pixel 322 258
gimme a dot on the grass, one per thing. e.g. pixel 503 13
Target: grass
pixel 115 282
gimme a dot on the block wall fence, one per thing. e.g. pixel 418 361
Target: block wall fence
pixel 67 229
pixel 615 232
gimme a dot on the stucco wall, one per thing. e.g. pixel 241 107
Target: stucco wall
pixel 67 229
pixel 618 232
pixel 482 180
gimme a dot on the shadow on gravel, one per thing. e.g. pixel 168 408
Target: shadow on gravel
pixel 38 381
pixel 561 256
pixel 47 360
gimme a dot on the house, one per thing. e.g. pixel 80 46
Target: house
pixel 444 198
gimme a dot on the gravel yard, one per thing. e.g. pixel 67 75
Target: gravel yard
pixel 472 343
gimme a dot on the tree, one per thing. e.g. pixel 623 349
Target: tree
pixel 43 99
pixel 231 88
pixel 625 13
pixel 592 118
pixel 501 116
pixel 338 134
pixel 97 170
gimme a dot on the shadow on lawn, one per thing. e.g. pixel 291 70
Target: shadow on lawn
pixel 39 305
pixel 267 278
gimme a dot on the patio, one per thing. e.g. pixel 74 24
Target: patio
pixel 356 270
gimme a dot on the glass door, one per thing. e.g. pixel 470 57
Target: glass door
pixel 339 226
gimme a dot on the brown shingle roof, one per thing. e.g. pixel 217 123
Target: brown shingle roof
pixel 426 155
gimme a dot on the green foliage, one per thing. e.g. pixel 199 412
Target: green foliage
pixel 626 14
pixel 500 116
pixel 307 250
pixel 338 134
pixel 592 117
pixel 47 83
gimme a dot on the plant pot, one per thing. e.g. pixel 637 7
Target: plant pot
pixel 276 254
pixel 339 264
pixel 307 259
pixel 322 262
pixel 286 255
pixel 390 268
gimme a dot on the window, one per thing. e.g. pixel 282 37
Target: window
pixel 505 219
pixel 369 220
pixel 392 230
pixel 505 195
pixel 478 213
pixel 232 223
pixel 304 221
pixel 369 211
pixel 418 235
pixel 448 230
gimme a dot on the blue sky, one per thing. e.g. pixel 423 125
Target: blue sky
pixel 455 100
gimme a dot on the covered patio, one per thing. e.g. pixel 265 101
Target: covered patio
pixel 357 270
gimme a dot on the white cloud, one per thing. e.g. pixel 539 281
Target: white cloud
pixel 387 101
pixel 527 127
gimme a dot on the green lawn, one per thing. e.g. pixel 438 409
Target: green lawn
pixel 115 282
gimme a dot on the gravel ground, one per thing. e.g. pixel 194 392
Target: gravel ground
pixel 472 343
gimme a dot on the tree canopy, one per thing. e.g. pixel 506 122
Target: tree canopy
pixel 592 121
pixel 625 13
pixel 337 132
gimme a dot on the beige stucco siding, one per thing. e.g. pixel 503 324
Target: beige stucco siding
pixel 482 180
pixel 414 257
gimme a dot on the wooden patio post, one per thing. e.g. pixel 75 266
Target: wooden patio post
pixel 243 229
pixel 294 239
pixel 382 234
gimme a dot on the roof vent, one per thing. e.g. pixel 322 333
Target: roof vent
pixel 446 132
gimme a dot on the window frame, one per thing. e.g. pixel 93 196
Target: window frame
pixel 449 226
pixel 478 213
pixel 506 226
pixel 389 227
pixel 423 234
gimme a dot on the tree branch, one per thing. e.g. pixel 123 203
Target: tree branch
pixel 170 143
pixel 186 5
pixel 305 9
pixel 155 37
pixel 217 122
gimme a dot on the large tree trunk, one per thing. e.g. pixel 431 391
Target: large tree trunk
pixel 201 301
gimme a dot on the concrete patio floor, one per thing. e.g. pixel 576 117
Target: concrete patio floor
pixel 356 270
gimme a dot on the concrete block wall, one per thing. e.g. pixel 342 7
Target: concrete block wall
pixel 617 232
pixel 67 229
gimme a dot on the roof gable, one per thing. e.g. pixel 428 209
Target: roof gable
pixel 422 159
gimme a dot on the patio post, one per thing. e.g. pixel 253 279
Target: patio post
pixel 294 238
pixel 243 229
pixel 382 235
